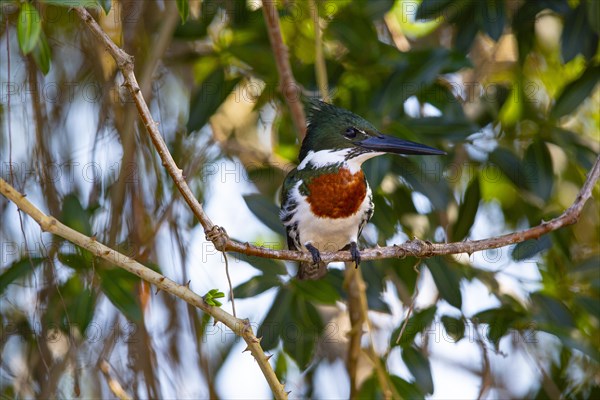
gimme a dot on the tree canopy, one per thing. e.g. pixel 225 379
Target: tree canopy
pixel 509 89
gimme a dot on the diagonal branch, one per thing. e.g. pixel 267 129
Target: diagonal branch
pixel 288 86
pixel 240 327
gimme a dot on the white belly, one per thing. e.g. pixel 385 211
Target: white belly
pixel 327 234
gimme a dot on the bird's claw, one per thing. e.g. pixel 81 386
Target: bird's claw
pixel 316 255
pixel 355 254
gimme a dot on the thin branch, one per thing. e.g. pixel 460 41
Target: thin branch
pixel 288 86
pixel 125 64
pixel 239 327
pixel 412 304
pixel 230 285
pixel 358 311
pixel 355 287
pixel 320 67
pixel 415 248
pixel 419 248
pixel 113 383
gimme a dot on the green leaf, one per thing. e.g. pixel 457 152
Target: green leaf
pixel 376 169
pixel 29 27
pixel 73 305
pixel 529 248
pixel 406 389
pixel 120 287
pixel 537 166
pixel 446 280
pixel 272 326
pixel 455 327
pixel 266 211
pixel 510 165
pixel 301 331
pixel 425 177
pixel 79 261
pixel 419 367
pixel 491 17
pixel 211 297
pixel 370 389
pixel 385 219
pixel 552 310
pixel 594 15
pixel 42 54
pixel 255 286
pixel 499 321
pixel 106 5
pixel 320 291
pixel 589 304
pixel 576 92
pixel 467 211
pixel 81 309
pixel 430 9
pixel 18 269
pixel 75 216
pixel 577 35
pixel 418 322
pixel 267 266
pixel 209 97
pixel 183 7
pixel 281 366
pixel 523 25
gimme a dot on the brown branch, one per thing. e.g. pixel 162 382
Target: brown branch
pixel 125 64
pixel 113 383
pixel 420 248
pixel 240 327
pixel 288 86
pixel 416 247
pixel 355 287
pixel 320 68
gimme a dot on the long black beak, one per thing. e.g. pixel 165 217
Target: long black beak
pixel 390 144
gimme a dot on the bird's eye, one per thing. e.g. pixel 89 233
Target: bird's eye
pixel 351 133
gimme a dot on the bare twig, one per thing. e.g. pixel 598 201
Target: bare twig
pixel 113 382
pixel 288 86
pixel 320 68
pixel 230 285
pixel 412 305
pixel 358 311
pixel 355 287
pixel 240 327
pixel 125 64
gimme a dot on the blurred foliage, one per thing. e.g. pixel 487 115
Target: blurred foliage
pixel 508 88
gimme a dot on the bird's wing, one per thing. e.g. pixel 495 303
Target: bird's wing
pixel 286 200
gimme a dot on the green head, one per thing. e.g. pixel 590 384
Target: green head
pixel 334 128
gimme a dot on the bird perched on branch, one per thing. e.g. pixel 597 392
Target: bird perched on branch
pixel 326 201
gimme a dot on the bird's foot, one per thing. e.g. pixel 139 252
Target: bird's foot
pixel 355 254
pixel 316 255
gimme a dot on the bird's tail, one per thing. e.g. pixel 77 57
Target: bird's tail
pixel 311 271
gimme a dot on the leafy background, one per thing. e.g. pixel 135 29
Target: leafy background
pixel 507 88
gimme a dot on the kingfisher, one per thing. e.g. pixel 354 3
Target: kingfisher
pixel 326 200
